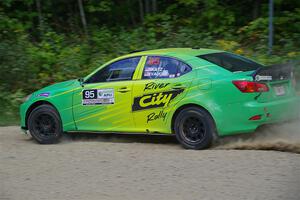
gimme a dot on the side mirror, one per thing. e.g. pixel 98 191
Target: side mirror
pixel 80 80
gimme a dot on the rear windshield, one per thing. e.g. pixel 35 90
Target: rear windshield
pixel 231 62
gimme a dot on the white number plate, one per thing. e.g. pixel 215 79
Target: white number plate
pixel 98 96
pixel 279 90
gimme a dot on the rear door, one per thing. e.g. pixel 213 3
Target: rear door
pixel 164 82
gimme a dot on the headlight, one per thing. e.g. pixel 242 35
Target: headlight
pixel 27 98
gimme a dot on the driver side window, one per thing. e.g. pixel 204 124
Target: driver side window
pixel 118 71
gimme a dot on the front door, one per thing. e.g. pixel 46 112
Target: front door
pixel 104 101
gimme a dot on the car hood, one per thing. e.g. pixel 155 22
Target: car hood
pixel 57 87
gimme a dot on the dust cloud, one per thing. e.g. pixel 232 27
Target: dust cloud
pixel 278 137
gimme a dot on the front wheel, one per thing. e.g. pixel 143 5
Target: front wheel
pixel 44 125
pixel 194 128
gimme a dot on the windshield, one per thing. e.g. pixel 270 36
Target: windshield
pixel 231 62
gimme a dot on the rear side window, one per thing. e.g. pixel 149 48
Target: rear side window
pixel 118 71
pixel 231 62
pixel 164 67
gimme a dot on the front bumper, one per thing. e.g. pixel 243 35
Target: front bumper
pixel 23 108
pixel 24 129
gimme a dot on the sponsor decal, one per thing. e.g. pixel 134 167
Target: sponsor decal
pixel 155 100
pixel 155 116
pixel 263 78
pixel 155 71
pixel 153 61
pixel 154 86
pixel 98 96
pixel 44 94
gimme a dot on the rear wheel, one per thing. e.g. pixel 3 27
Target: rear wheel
pixel 194 128
pixel 44 124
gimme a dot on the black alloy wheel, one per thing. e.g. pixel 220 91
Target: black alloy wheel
pixel 44 124
pixel 194 128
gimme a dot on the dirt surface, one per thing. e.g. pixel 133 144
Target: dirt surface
pixel 141 167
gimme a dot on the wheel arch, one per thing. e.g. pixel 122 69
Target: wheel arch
pixel 35 105
pixel 189 105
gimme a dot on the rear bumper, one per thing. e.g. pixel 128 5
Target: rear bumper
pixel 238 115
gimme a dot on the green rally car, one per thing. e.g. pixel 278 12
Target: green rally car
pixel 196 94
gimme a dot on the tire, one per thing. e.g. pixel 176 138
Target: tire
pixel 45 125
pixel 194 128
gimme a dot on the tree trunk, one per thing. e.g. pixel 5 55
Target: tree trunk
pixel 132 18
pixel 39 10
pixel 147 7
pixel 256 8
pixel 141 10
pixel 33 29
pixel 82 16
pixel 71 21
pixel 154 6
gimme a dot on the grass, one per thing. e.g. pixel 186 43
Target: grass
pixel 8 118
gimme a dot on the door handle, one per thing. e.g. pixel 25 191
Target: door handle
pixel 123 90
pixel 178 86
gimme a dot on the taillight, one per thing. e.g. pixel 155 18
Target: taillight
pixel 250 86
pixel 255 117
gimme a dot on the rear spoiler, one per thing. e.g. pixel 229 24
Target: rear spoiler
pixel 274 72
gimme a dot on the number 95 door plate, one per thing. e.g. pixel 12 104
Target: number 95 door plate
pixel 98 96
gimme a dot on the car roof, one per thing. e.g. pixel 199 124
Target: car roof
pixel 181 53
pixel 176 52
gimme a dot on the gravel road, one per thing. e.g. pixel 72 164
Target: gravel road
pixel 140 167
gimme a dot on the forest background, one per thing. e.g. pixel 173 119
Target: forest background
pixel 48 41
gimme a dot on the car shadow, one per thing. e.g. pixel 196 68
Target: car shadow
pixel 142 138
pixel 120 138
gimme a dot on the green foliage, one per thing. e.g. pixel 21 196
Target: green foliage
pixel 102 6
pixel 32 56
